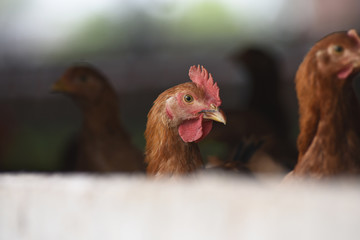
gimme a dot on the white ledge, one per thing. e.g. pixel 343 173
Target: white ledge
pixel 89 207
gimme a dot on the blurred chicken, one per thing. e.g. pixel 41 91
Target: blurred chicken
pixel 264 119
pixel 329 139
pixel 180 117
pixel 239 161
pixel 104 145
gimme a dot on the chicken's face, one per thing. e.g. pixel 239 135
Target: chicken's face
pixel 194 106
pixel 82 82
pixel 339 55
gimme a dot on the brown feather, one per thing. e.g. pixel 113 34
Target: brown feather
pixel 104 145
pixel 329 139
pixel 166 153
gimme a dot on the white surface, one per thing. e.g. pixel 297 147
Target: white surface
pixel 206 207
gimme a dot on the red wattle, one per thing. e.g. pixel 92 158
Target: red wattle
pixel 194 130
pixel 345 72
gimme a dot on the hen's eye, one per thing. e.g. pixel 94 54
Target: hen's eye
pixel 188 98
pixel 338 49
pixel 82 78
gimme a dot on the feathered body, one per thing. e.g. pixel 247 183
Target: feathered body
pixel 264 117
pixel 180 117
pixel 329 139
pixel 103 145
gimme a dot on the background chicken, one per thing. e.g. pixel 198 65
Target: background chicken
pixel 329 139
pixel 104 145
pixel 239 161
pixel 180 117
pixel 264 118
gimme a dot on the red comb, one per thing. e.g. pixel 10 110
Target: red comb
pixel 201 77
pixel 352 33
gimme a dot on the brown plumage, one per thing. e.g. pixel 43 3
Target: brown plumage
pixel 329 139
pixel 104 145
pixel 180 117
pixel 238 162
pixel 264 118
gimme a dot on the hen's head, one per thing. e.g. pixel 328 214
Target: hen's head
pixel 193 106
pixel 337 55
pixel 82 82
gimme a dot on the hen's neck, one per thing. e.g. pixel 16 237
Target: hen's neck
pixel 336 146
pixel 166 152
pixel 339 113
pixel 101 116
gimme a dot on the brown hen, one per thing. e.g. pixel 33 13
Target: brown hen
pixel 329 139
pixel 180 117
pixel 264 119
pixel 104 145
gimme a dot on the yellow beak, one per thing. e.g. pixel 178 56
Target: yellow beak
pixel 215 115
pixel 59 87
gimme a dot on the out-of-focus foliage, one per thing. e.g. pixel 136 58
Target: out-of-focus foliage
pixel 93 35
pixel 206 22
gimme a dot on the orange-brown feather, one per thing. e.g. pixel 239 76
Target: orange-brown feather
pixel 329 139
pixel 103 145
pixel 166 153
